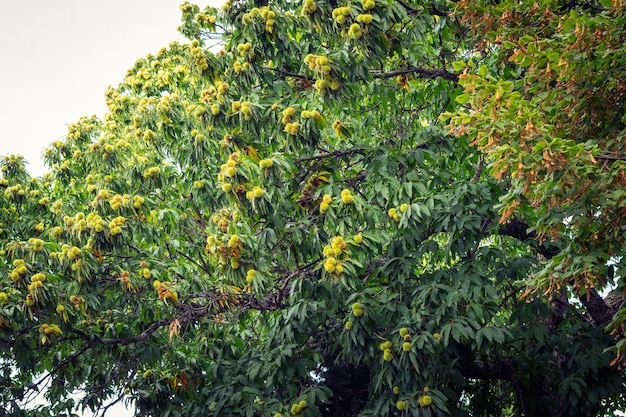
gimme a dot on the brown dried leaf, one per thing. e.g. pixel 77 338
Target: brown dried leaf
pixel 174 328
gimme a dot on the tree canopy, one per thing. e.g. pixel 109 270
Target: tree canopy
pixel 341 208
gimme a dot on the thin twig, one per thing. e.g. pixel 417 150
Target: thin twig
pixel 421 72
pixel 479 169
pixel 334 154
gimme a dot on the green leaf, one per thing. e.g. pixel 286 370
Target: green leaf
pixel 458 65
pixel 463 98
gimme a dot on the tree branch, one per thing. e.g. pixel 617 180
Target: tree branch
pixel 420 72
pixel 409 10
pixel 334 154
pixel 432 10
pixel 597 308
pixel 601 314
pixel 283 74
pixel 479 169
pixel 615 157
pixel 140 337
pixel 204 267
pixel 519 230
pixel 435 11
pixel 501 368
pixel 478 369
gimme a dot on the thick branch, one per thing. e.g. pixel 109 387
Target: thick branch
pixel 601 313
pixel 435 11
pixel 519 230
pixel 501 368
pixel 274 301
pixel 140 337
pixel 477 369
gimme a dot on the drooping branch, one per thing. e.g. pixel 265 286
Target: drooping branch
pixel 202 266
pixel 35 387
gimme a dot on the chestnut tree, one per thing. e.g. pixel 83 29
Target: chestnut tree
pixel 333 208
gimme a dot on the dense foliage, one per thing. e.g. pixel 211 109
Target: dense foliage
pixel 370 208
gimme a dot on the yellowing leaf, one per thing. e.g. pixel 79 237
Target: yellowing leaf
pixel 174 328
pixel 252 153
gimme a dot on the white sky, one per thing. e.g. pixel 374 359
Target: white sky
pixel 59 57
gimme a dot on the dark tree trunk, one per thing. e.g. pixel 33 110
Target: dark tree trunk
pixel 350 387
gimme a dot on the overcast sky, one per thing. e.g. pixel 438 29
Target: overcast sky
pixel 59 57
